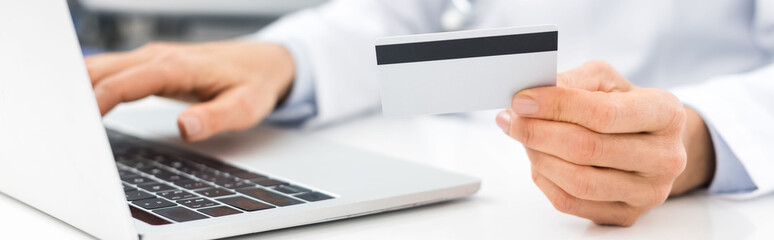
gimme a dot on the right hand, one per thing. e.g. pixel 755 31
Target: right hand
pixel 238 83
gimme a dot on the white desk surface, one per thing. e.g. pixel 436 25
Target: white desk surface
pixel 508 205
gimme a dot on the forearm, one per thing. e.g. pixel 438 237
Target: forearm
pixel 700 154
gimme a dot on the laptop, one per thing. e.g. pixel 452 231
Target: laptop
pixel 118 183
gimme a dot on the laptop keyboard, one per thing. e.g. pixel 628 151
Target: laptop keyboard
pixel 165 184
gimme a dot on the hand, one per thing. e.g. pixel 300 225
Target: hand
pixel 239 83
pixel 604 149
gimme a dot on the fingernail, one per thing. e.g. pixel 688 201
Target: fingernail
pixel 191 125
pixel 524 105
pixel 503 120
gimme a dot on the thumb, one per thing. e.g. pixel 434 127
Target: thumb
pixel 232 110
pixel 594 76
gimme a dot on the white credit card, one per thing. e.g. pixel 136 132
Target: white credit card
pixel 463 71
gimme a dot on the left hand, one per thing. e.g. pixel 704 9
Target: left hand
pixel 600 147
pixel 235 83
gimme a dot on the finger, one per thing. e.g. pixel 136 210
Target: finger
pixel 594 76
pixel 642 153
pixel 103 65
pixel 106 64
pixel 607 213
pixel 138 82
pixel 640 110
pixel 232 110
pixel 592 183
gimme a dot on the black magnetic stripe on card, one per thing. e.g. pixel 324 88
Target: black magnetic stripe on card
pixel 466 48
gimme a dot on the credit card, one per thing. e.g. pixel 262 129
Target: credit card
pixel 463 71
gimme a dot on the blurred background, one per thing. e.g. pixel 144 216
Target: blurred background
pixel 118 25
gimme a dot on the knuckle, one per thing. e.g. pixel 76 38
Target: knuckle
pixel 92 71
pixel 566 79
pixel 581 187
pixel 173 73
pixel 624 217
pixel 605 115
pixel 584 149
pixel 535 176
pixel 563 203
pixel 671 109
pixel 671 161
pixel 677 117
pixel 675 164
pixel 526 133
pixel 537 163
pixel 599 66
pixel 169 56
pixel 109 88
pixel 563 105
pixel 174 76
pixel 660 195
pixel 627 220
pixel 656 193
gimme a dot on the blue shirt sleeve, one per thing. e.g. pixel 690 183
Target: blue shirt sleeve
pixel 300 104
pixel 730 175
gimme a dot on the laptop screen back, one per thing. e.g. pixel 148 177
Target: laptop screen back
pixel 53 149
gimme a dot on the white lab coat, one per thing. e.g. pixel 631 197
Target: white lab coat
pixel 716 56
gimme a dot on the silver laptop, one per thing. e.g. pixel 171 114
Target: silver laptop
pixel 59 158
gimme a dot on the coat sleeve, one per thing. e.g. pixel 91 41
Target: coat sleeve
pixel 739 110
pixel 333 49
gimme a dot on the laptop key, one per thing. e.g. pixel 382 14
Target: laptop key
pixel 190 168
pixel 137 195
pixel 127 177
pixel 137 163
pixel 313 196
pixel 179 214
pixel 211 175
pixel 157 156
pixel 138 180
pixel 173 163
pixel 247 175
pixel 192 185
pixel 153 170
pixel 245 203
pixel 213 163
pixel 234 184
pixel 147 217
pixel 127 188
pixel 154 203
pixel 268 196
pixel 219 211
pixel 214 192
pixel 197 173
pixel 290 189
pixel 137 150
pixel 156 187
pixel 268 182
pixel 176 195
pixel 227 168
pixel 197 203
pixel 171 177
pixel 126 174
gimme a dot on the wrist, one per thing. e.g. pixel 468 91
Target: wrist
pixel 700 154
pixel 283 69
